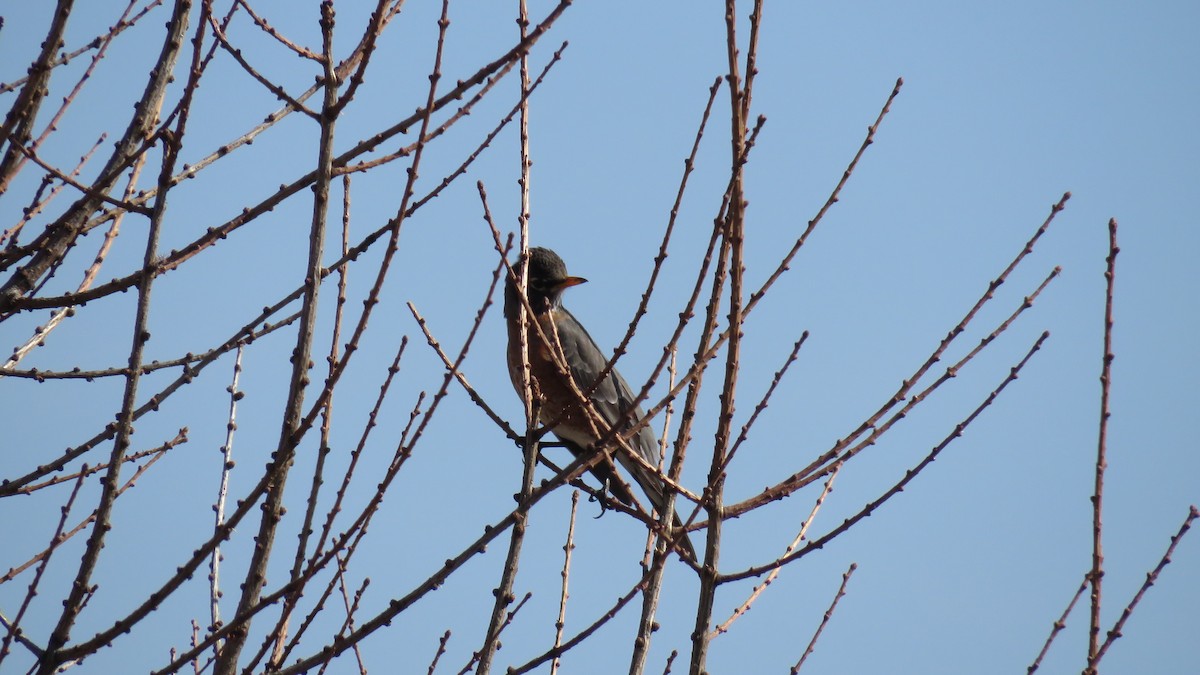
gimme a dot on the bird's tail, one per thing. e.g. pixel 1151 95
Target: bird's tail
pixel 654 489
pixel 648 481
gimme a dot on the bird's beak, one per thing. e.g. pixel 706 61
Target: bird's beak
pixel 570 281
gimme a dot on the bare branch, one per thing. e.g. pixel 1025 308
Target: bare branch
pixel 1096 576
pixel 14 627
pixel 561 622
pixel 1058 626
pixel 824 619
pixel 959 428
pixel 1151 577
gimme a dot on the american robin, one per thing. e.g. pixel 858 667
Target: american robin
pixel 560 406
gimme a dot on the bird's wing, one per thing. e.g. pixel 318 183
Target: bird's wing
pixel 613 396
pixel 585 359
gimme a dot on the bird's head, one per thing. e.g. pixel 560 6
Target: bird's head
pixel 548 278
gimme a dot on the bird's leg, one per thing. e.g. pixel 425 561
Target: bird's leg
pixel 538 435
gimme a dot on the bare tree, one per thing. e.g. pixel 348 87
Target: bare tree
pixel 287 549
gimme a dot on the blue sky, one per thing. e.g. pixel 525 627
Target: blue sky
pixel 1004 108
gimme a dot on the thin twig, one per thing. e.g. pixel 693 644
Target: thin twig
pixel 1151 577
pixel 52 245
pixel 507 621
pixel 89 469
pixel 561 622
pixel 214 566
pixel 559 650
pixel 812 644
pixel 38 204
pixel 766 398
pixel 89 275
pixel 732 241
pixel 279 92
pixel 437 656
pixel 94 43
pixel 351 608
pixel 265 27
pixel 17 127
pixel 154 455
pixel 670 660
pixel 214 234
pixel 14 627
pixel 282 458
pixel 108 494
pixel 343 551
pixel 1097 574
pixel 800 536
pixel 329 115
pixel 709 351
pixel 356 453
pixel 462 380
pixel 244 337
pixel 358 528
pixel 344 545
pixel 67 100
pixel 689 165
pixel 504 592
pixel 1058 626
pixel 909 475
pixel 15 485
pixel 324 449
pixel 654 560
pixel 872 427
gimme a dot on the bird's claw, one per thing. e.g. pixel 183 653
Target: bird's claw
pixel 601 496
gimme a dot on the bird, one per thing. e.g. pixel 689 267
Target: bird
pixel 612 398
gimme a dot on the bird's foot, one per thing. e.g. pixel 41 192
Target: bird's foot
pixel 601 496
